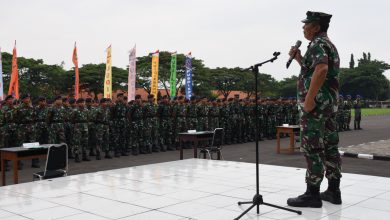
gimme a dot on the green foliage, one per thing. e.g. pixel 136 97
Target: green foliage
pixel 367 79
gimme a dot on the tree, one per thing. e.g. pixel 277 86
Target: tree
pixel 352 62
pixel 225 80
pixel 367 79
pixel 92 78
pixel 288 87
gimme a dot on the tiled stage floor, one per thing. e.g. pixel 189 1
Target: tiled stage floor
pixel 188 189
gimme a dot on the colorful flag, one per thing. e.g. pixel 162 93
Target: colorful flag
pixel 132 72
pixel 188 76
pixel 14 82
pixel 108 76
pixel 154 88
pixel 172 81
pixel 76 69
pixel 1 77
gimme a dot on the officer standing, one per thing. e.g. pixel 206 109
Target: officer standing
pixel 318 87
pixel 80 131
pixel 56 117
pixel 357 106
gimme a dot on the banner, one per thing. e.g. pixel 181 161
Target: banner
pixel 1 78
pixel 188 76
pixel 154 88
pixel 76 70
pixel 172 81
pixel 108 76
pixel 14 82
pixel 132 72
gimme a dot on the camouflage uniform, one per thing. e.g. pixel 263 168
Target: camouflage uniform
pixel 11 135
pixel 136 116
pixel 151 127
pixel 56 117
pixel 165 126
pixel 91 115
pixel 224 111
pixel 68 126
pixel 358 113
pixel 348 107
pixel 340 114
pixel 319 137
pixel 180 110
pixel 101 120
pixel 25 116
pixel 80 132
pixel 119 111
pixel 2 128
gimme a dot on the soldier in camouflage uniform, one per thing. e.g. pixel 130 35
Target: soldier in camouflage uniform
pixel 348 107
pixel 318 88
pixel 213 115
pixel 357 106
pixel 10 128
pixel 137 118
pixel 2 129
pixel 56 116
pixel 180 111
pixel 340 114
pixel 91 127
pixel 202 117
pixel 25 117
pixel 151 125
pixel 164 113
pixel 68 124
pixel 225 120
pixel 119 111
pixel 192 117
pixel 80 131
pixel 101 120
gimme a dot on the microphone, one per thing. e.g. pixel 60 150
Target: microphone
pixel 297 45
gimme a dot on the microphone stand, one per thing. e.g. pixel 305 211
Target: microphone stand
pixel 258 199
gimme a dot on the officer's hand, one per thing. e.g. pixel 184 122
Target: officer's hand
pixel 298 56
pixel 309 105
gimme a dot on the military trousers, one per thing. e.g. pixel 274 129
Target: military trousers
pixel 319 142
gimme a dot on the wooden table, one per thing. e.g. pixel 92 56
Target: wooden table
pixel 15 154
pixel 290 130
pixel 194 137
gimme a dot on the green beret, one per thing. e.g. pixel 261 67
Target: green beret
pixel 317 16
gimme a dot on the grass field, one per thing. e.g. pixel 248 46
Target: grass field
pixel 374 111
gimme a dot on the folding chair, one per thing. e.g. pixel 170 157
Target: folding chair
pixel 216 145
pixel 56 163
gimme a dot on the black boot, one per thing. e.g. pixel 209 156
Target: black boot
pixel 311 198
pixel 117 153
pixel 108 155
pixel 92 153
pixel 333 193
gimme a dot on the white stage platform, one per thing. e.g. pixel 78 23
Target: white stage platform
pixel 187 189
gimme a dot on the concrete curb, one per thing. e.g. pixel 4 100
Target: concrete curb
pixel 364 156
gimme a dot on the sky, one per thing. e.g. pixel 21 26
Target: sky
pixel 223 33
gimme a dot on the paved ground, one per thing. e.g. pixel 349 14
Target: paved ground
pixel 376 148
pixel 375 128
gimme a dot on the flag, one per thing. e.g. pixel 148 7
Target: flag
pixel 1 77
pixel 188 76
pixel 14 83
pixel 76 69
pixel 132 72
pixel 154 88
pixel 108 76
pixel 172 81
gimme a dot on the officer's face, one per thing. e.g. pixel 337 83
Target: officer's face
pixel 26 100
pixel 310 30
pixel 58 102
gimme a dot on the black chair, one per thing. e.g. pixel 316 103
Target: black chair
pixel 56 163
pixel 216 145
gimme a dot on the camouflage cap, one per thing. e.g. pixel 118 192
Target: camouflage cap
pixel 317 16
